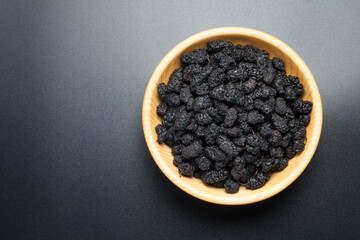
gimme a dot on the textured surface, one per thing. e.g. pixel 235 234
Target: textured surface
pixel 294 66
pixel 72 82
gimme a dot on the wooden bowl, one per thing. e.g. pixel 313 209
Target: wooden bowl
pixel 162 153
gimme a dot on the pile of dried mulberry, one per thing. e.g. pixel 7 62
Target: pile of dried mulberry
pixel 232 116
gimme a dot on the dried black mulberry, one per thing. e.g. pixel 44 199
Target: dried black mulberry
pixel 231 186
pixel 193 150
pixel 186 169
pixel 213 176
pixel 162 133
pixel 203 163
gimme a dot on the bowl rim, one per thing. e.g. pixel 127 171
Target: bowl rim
pixel 201 36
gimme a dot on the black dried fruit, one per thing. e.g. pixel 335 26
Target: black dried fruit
pixel 279 123
pixel 216 77
pixel 214 153
pixel 298 146
pixel 286 140
pixel 275 138
pixel 162 109
pixel 250 158
pixel 211 132
pixel 178 159
pixel 242 117
pixel 268 165
pixel 290 93
pixel 202 102
pixel 301 106
pixel 232 132
pixel 254 117
pixel 176 150
pixel 240 141
pixel 249 172
pixel 172 99
pixel 174 84
pixel 246 127
pixel 192 150
pixel 276 152
pixel 304 119
pixel 196 56
pixel 258 181
pixel 269 75
pixel 219 165
pixel 226 145
pixel 281 106
pixel 162 133
pixel 289 152
pixel 300 133
pixel 162 91
pixel 190 104
pixel 267 107
pixel 250 53
pixel 203 118
pixel 214 176
pixel 248 103
pixel 192 127
pixel 265 129
pixel 185 94
pixel 187 139
pixel 181 120
pixel 203 163
pixel 278 64
pixel 238 169
pixel 283 162
pixel 231 186
pixel 218 45
pixel 227 62
pixel 232 116
pixel 186 169
pixel 202 89
pixel 254 140
pixel 218 93
pixel 200 131
pixel 250 85
pixel 294 125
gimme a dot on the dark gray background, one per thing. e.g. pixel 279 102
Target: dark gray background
pixel 74 163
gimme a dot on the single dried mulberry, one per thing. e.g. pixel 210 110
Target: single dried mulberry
pixel 254 117
pixel 279 123
pixel 231 186
pixel 213 176
pixel 196 56
pixel 202 102
pixel 203 163
pixel 211 132
pixel 230 117
pixel 226 145
pixel 162 133
pixel 214 153
pixel 193 150
pixel 178 159
pixel 203 118
pixel 186 169
pixel 162 109
pixel 278 64
pixel 275 138
pixel 187 139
